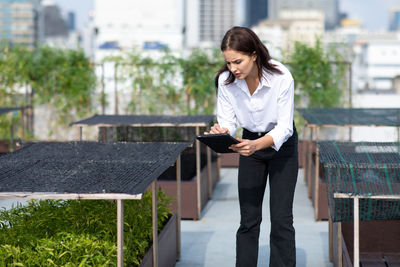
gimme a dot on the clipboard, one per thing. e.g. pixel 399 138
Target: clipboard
pixel 220 143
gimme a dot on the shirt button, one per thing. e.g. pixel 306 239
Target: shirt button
pixel 259 134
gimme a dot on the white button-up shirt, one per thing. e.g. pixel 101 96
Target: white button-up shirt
pixel 269 109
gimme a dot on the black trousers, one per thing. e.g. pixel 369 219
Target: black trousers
pixel 281 167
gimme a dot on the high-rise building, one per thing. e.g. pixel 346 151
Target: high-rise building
pixel 19 22
pixel 208 20
pixel 329 7
pixel 216 17
pixel 136 23
pixel 395 19
pixel 54 23
pixel 256 11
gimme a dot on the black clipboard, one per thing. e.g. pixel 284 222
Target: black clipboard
pixel 220 143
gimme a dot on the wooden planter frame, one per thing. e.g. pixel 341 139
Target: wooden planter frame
pixel 119 197
pixel 189 191
pixel 199 187
pixel 167 246
pixel 312 174
pixel 337 246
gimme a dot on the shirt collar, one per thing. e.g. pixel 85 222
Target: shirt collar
pixel 264 81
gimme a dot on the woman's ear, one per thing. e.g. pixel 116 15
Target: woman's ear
pixel 254 56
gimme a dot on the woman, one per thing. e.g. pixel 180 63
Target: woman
pixel 256 92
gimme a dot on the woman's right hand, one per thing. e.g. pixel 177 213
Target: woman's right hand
pixel 216 129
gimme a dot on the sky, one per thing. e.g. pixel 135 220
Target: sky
pixel 373 14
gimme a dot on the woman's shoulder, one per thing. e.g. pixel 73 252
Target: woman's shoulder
pixel 222 78
pixel 285 71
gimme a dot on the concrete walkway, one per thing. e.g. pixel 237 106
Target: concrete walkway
pixel 210 241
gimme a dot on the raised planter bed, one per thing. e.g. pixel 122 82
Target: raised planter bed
pixel 167 246
pixel 189 199
pixel 167 181
pixel 229 160
pixel 4 147
pixel 379 243
pixel 318 195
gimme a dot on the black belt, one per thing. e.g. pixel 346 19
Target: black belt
pixel 252 135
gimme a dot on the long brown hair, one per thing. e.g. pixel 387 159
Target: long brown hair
pixel 244 40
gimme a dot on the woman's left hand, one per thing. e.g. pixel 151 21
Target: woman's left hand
pixel 246 147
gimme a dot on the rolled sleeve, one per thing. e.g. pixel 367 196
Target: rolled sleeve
pixel 225 113
pixel 284 127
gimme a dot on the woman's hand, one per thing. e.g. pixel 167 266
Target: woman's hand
pixel 246 147
pixel 216 129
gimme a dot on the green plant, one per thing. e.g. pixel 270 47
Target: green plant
pixel 63 79
pixel 168 83
pixel 319 75
pixel 77 233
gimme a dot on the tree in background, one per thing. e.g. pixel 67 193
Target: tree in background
pixel 319 75
pixel 63 79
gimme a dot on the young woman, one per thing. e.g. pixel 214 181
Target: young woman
pixel 256 92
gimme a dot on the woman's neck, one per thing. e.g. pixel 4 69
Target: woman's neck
pixel 252 81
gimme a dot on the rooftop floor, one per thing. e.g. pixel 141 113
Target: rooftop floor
pixel 210 241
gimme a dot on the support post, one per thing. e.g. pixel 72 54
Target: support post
pixel 198 173
pixel 22 123
pixel 340 243
pixel 209 174
pixel 309 162
pixel 80 133
pixel 316 188
pixel 120 233
pixel 356 254
pixel 155 227
pixel 330 236
pixel 178 212
pixel 398 134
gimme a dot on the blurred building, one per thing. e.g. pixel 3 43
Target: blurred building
pixel 208 20
pixel 20 22
pixel 379 61
pixel 134 23
pixel 57 29
pixel 330 8
pixel 294 25
pixel 71 21
pixel 54 23
pixel 395 19
pixel 256 11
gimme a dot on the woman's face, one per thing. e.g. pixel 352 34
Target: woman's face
pixel 240 64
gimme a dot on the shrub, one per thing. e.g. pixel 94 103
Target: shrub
pixel 77 232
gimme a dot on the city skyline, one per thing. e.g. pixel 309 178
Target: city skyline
pixel 373 14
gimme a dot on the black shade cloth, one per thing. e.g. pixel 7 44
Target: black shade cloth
pixel 86 167
pixel 361 168
pixel 4 110
pixel 220 143
pixel 127 120
pixel 351 116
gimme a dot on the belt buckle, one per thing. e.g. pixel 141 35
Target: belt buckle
pixel 259 134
